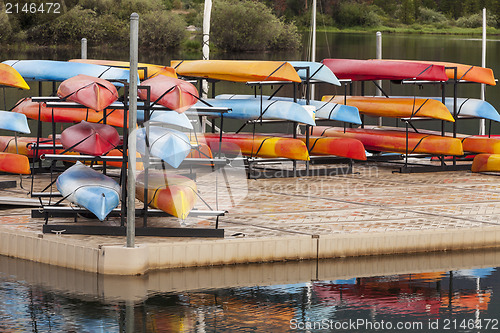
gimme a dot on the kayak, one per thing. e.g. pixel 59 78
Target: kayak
pixel 168 117
pixel 13 121
pixel 257 146
pixel 366 70
pixel 173 93
pixel 237 70
pixel 90 139
pixel 486 162
pixel 50 70
pixel 93 92
pixel 394 107
pixel 167 144
pixel 173 194
pixel 326 146
pixel 90 189
pixel 471 107
pixel 14 163
pixel 251 109
pixel 317 72
pixel 151 70
pixel 395 141
pixel 24 146
pixel 464 72
pixel 35 111
pixel 324 110
pixel 11 78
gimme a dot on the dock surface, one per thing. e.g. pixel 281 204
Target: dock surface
pixel 369 212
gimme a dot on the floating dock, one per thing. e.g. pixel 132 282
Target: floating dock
pixel 372 211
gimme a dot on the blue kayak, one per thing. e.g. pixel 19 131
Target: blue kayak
pixel 167 144
pixel 50 70
pixel 325 110
pixel 471 107
pixel 167 117
pixel 250 109
pixel 90 189
pixel 13 121
pixel 317 71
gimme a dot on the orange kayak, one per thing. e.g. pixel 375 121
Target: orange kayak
pixel 395 141
pixel 486 162
pixel 151 70
pixel 257 146
pixel 394 107
pixel 237 70
pixel 10 77
pixel 67 115
pixel 8 145
pixel 14 163
pixel 464 72
pixel 93 92
pixel 173 194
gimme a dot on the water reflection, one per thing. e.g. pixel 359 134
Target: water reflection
pixel 259 297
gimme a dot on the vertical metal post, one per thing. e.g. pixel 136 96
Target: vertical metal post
pixel 84 48
pixel 483 64
pixel 379 56
pixel 132 123
pixel 313 43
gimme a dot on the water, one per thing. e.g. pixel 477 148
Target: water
pixel 429 292
pixel 420 293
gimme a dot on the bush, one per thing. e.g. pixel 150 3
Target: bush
pixel 161 30
pixel 430 16
pixel 476 21
pixel 352 14
pixel 5 27
pixel 249 26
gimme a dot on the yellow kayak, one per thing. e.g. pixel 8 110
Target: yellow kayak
pixel 10 77
pixel 237 70
pixel 400 107
pixel 152 70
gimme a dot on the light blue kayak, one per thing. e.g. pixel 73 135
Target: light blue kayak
pixel 167 144
pixel 317 71
pixel 50 70
pixel 13 121
pixel 324 110
pixel 471 107
pixel 90 189
pixel 250 109
pixel 167 117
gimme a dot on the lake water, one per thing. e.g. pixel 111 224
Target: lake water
pixel 431 292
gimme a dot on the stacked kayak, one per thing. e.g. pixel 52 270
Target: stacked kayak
pixel 237 70
pixel 363 70
pixel 173 194
pixel 10 160
pixel 395 107
pixel 14 163
pixel 252 109
pixel 90 189
pixel 486 163
pixel 317 72
pixel 324 110
pixel 92 92
pixel 387 140
pixel 12 121
pixel 151 70
pixel 170 92
pixel 11 78
pixel 50 70
pixel 259 145
pixel 90 139
pixel 471 107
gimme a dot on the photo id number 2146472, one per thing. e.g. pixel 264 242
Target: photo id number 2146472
pixel 33 8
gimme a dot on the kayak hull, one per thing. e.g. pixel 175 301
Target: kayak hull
pixel 90 139
pixel 173 194
pixel 395 107
pixel 395 141
pixel 14 163
pixel 486 163
pixel 90 189
pixel 317 71
pixel 93 92
pixel 11 78
pixel 258 146
pixel 237 70
pixel 13 121
pixel 151 70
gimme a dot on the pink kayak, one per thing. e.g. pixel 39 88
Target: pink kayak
pixel 90 139
pixel 93 92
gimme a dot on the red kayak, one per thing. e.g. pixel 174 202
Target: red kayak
pixel 176 94
pixel 90 91
pixel 14 163
pixel 90 139
pixel 34 110
pixel 366 70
